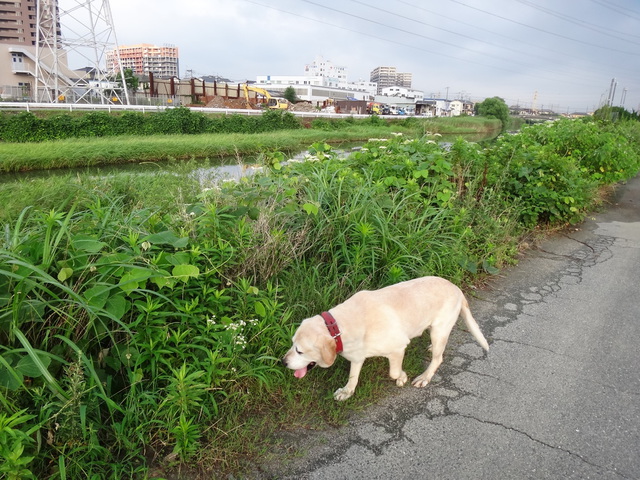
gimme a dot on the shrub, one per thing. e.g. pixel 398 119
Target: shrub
pixel 27 127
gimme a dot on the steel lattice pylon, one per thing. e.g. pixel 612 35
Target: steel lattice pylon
pixel 83 31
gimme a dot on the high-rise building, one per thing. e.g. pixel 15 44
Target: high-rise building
pixel 145 58
pixel 389 77
pixel 18 22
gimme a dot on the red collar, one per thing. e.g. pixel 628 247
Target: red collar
pixel 334 331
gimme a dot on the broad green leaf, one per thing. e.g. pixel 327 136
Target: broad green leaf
pixel 184 272
pixel 310 208
pixel 167 238
pixel 490 269
pixel 162 281
pixel 86 243
pixel 65 273
pixel 28 366
pixel 133 279
pixel 117 306
pixel 260 310
pixel 254 213
pixel 97 296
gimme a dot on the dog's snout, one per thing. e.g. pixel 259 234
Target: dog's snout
pixel 284 361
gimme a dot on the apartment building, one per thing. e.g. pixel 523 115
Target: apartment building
pixel 332 75
pixel 18 22
pixel 387 77
pixel 144 58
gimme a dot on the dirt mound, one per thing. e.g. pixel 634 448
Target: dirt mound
pixel 302 107
pixel 222 102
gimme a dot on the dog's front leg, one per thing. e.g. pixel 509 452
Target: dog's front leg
pixel 395 368
pixel 346 391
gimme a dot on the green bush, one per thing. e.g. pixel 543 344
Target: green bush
pixel 27 127
pixel 129 325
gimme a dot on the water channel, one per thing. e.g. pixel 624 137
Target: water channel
pixel 225 168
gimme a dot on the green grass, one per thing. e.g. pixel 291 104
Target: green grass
pixel 462 125
pixel 92 151
pixel 81 152
pixel 142 317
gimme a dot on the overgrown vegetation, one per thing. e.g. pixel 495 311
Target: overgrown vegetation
pixel 141 320
pixel 494 107
pixel 109 150
pixel 28 127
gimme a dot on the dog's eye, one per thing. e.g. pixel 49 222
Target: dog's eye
pixel 298 351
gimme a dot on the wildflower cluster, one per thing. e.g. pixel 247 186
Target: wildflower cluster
pixel 237 331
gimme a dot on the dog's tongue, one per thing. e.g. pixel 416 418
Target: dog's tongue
pixel 300 372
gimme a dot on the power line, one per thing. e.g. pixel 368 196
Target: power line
pixel 619 9
pixel 575 21
pixel 521 53
pixel 560 75
pixel 375 22
pixel 389 12
pixel 594 45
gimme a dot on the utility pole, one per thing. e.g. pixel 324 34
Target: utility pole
pixel 624 97
pixel 612 92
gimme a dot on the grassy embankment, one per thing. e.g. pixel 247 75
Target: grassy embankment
pixel 142 318
pixel 83 152
pixel 180 150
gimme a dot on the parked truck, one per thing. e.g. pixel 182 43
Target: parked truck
pixel 374 108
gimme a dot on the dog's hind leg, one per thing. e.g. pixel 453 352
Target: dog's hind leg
pixel 438 343
pixel 395 368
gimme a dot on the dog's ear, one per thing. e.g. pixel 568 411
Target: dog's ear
pixel 328 352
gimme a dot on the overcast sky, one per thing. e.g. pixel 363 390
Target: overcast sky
pixel 560 54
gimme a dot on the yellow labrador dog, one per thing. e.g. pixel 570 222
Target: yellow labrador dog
pixel 381 323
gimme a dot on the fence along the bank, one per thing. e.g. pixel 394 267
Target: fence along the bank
pixel 192 90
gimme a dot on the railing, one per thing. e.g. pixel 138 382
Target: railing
pixel 70 107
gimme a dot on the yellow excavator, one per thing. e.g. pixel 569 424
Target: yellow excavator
pixel 276 103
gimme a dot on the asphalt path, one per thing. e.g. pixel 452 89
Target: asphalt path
pixel 556 397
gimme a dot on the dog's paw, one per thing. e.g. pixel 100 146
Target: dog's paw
pixel 342 394
pixel 402 379
pixel 420 381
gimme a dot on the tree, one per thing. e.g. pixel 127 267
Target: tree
pixel 609 113
pixel 494 107
pixel 290 94
pixel 130 80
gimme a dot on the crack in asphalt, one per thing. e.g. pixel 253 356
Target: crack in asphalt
pixel 537 347
pixel 505 307
pixel 545 444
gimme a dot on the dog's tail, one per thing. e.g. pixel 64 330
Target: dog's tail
pixel 472 325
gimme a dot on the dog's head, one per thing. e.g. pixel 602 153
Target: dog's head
pixel 312 345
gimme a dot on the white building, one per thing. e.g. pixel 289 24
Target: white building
pixel 455 107
pixel 398 91
pixel 333 75
pixel 321 80
pixel 316 94
pixel 289 80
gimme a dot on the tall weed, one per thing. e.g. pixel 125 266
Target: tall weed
pixel 129 326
